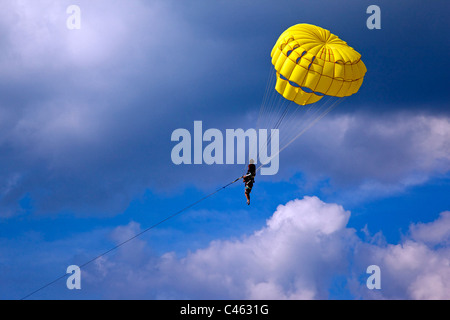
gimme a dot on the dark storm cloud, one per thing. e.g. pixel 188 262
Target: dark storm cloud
pixel 86 115
pixel 86 118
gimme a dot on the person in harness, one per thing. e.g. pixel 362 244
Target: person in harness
pixel 249 180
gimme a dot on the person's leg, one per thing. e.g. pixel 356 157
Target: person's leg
pixel 247 195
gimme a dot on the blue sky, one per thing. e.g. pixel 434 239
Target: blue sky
pixel 86 118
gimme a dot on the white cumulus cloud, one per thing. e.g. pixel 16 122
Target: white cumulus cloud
pixel 299 254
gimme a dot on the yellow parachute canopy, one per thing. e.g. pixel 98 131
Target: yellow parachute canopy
pixel 311 62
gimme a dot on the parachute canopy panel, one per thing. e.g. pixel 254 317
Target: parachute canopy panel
pixel 311 62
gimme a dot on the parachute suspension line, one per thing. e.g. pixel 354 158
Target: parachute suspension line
pixel 272 106
pixel 276 106
pixel 135 236
pixel 308 114
pixel 277 112
pixel 290 119
pixel 295 119
pixel 265 105
pixel 287 106
pixel 268 104
pixel 331 107
pixel 266 96
pixel 323 114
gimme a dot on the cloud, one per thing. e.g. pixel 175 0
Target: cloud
pixel 306 250
pixel 93 109
pixel 410 270
pixel 367 155
pixel 432 233
pixel 303 249
pixel 84 109
pixel 294 257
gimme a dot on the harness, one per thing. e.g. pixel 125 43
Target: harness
pixel 249 179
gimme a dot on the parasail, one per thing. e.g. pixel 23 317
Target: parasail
pixel 312 70
pixel 311 63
